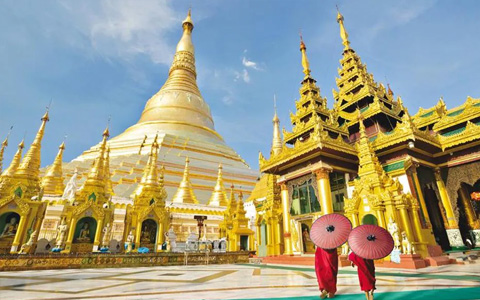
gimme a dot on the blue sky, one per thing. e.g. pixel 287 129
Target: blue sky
pixel 99 58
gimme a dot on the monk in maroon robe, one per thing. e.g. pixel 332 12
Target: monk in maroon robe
pixel 326 268
pixel 366 273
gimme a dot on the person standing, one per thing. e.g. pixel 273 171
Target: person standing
pixel 326 269
pixel 366 273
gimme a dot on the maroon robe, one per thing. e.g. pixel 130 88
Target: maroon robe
pixel 366 271
pixel 326 268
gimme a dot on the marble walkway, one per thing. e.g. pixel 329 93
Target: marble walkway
pixel 246 281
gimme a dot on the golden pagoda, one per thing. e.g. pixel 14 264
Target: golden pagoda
pixel 369 159
pixel 147 218
pixel 52 182
pixel 185 192
pixel 21 206
pixel 2 151
pixel 219 196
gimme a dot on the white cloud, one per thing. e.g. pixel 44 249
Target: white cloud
pixel 250 64
pixel 127 29
pixel 243 75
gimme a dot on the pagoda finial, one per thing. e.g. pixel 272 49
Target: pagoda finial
pixel 219 196
pixel 277 139
pixel 362 129
pixel 185 192
pixel 2 149
pixel 232 203
pixel 343 32
pixel 30 165
pixel 305 63
pixel 185 43
pixel 52 182
pixel 10 171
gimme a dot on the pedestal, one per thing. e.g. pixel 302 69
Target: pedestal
pixel 411 261
pixel 436 257
pixel 343 261
pixel 455 239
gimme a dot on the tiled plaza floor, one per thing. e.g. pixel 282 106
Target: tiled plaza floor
pixel 236 282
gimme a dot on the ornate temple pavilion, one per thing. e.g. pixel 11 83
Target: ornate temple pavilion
pixel 160 173
pixel 369 159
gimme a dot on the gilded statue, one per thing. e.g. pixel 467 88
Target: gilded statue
pixel 407 247
pixel 28 245
pixel 61 234
pixel 10 228
pixel 106 236
pixel 393 229
pixel 145 235
pixel 129 242
pixel 84 236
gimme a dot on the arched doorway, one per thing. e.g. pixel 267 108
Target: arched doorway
pixel 369 220
pixel 436 217
pixel 307 245
pixel 85 230
pixel 149 234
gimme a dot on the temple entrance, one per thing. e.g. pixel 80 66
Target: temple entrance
pixel 436 217
pixel 307 245
pixel 149 234
pixel 8 229
pixel 369 220
pixel 244 243
pixel 262 246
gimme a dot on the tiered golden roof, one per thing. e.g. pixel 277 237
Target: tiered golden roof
pixel 219 196
pixel 185 192
pixel 52 182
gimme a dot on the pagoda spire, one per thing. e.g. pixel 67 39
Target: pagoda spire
pixel 277 139
pixel 12 168
pixel 232 203
pixel 219 196
pixel 184 192
pixel 151 184
pixel 2 151
pixel 343 32
pixel 106 173
pixel 305 62
pixel 52 182
pixel 96 176
pixel 29 168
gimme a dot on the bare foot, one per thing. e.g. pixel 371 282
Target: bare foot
pixel 331 295
pixel 324 294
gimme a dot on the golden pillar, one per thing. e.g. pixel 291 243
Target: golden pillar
pixel 270 238
pixel 470 213
pixel 355 219
pixel 138 234
pixel 406 222
pixel 19 234
pixel 423 204
pixel 451 221
pixel 71 232
pixel 98 234
pixel 287 230
pixel 160 236
pixel 278 237
pixel 324 191
pixel 259 237
pixel 380 211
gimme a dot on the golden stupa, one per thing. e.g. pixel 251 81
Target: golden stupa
pixel 184 124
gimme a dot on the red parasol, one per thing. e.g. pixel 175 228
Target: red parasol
pixel 370 242
pixel 330 231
